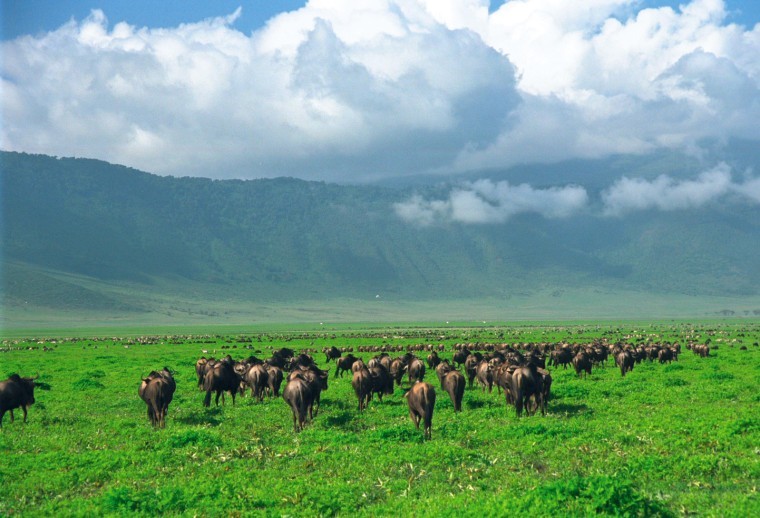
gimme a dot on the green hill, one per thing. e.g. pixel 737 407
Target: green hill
pixel 84 236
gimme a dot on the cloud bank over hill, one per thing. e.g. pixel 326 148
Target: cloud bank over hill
pixel 354 91
pixel 486 202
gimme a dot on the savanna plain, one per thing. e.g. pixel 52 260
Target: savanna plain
pixel 668 439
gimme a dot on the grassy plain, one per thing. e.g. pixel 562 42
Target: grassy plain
pixel 665 440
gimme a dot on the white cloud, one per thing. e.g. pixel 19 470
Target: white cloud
pixel 665 193
pixel 485 201
pixel 345 90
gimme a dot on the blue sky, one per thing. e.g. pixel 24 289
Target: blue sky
pixel 348 91
pixel 21 17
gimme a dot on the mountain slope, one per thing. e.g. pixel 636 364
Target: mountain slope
pixel 286 239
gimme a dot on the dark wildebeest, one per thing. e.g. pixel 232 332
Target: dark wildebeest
pixel 332 353
pixel 484 375
pixel 257 378
pixel 344 364
pixel 157 390
pixel 526 383
pixel 398 366
pixel 299 396
pixel 16 392
pixel 460 357
pixel 562 356
pixel 201 367
pixel 453 382
pixel 382 383
pixel 582 363
pixel 358 365
pixel 433 360
pixel 220 378
pixel 665 355
pixel 625 361
pixel 470 367
pixel 421 401
pixel 317 380
pixel 274 379
pixel 442 369
pixel 416 371
pixel 362 384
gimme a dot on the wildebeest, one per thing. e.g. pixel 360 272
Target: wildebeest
pixel 299 396
pixel 433 360
pixel 16 392
pixel 421 401
pixel 470 367
pixel 332 353
pixel 257 378
pixel 344 364
pixel 416 370
pixel 484 375
pixel 362 384
pixel 625 361
pixel 526 384
pixel 460 357
pixel 382 383
pixel 582 363
pixel 317 380
pixel 453 383
pixel 157 390
pixel 274 379
pixel 201 367
pixel 220 378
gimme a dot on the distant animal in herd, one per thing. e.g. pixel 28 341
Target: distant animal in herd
pixel 157 390
pixel 302 393
pixel 16 392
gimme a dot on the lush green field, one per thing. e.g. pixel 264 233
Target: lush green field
pixel 682 438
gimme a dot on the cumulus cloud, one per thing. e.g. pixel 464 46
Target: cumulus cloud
pixel 665 193
pixel 349 91
pixel 485 201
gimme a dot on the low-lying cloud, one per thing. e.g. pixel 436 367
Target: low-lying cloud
pixel 488 202
pixel 666 193
pixel 485 201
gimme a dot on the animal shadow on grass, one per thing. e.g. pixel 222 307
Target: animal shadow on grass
pixel 570 410
pixel 210 417
pixel 340 419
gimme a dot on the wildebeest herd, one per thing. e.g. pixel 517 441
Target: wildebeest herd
pixel 519 372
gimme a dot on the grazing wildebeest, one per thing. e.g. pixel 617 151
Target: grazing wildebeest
pixel 453 383
pixel 382 383
pixel 398 366
pixel 257 378
pixel 421 401
pixel 433 360
pixel 317 380
pixel 274 379
pixel 526 383
pixel 625 361
pixel 344 364
pixel 442 369
pixel 332 353
pixel 220 378
pixel 562 356
pixel 298 394
pixel 16 392
pixel 362 384
pixel 416 370
pixel 582 363
pixel 201 367
pixel 470 367
pixel 484 375
pixel 157 390
pixel 460 357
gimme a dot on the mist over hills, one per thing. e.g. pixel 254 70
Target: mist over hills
pixel 72 226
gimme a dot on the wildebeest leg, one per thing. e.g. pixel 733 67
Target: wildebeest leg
pixel 12 418
pixel 23 408
pixel 232 393
pixel 415 418
pixel 219 393
pixel 2 414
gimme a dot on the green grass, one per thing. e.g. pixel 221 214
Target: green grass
pixel 665 440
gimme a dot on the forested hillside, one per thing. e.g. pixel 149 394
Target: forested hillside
pixel 286 239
